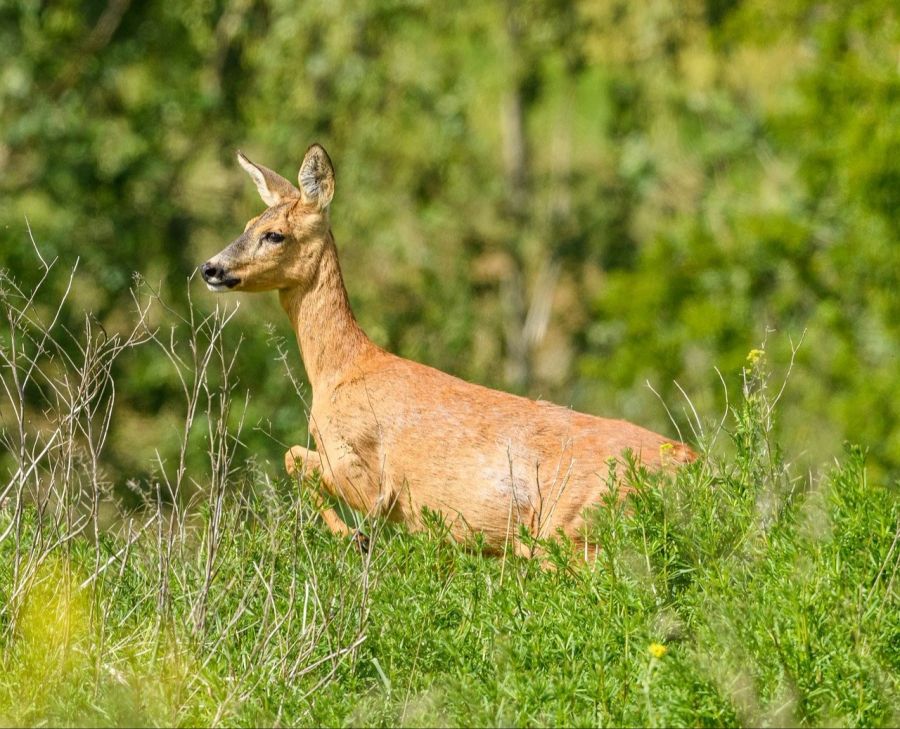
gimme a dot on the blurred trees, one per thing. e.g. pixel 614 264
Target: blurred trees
pixel 567 199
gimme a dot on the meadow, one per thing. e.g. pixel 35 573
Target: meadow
pixel 736 592
pixel 681 214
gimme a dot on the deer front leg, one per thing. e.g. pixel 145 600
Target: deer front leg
pixel 299 460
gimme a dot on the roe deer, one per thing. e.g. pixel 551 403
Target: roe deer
pixel 394 436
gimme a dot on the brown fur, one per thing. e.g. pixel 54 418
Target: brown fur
pixel 394 436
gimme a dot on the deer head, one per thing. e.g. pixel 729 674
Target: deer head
pixel 282 247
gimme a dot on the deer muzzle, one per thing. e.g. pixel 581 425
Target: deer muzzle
pixel 217 277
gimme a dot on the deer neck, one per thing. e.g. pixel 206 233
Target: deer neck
pixel 330 339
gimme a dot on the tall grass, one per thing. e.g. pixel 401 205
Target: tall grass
pixel 736 592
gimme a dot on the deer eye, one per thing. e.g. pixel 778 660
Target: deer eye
pixel 273 237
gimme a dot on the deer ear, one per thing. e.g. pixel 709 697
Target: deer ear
pixel 316 177
pixel 272 187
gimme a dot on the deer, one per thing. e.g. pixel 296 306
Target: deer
pixel 396 439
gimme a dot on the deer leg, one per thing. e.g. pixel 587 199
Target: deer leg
pixel 300 460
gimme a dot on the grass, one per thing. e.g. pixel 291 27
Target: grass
pixel 734 593
pixel 792 622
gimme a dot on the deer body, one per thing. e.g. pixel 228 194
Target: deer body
pixel 395 437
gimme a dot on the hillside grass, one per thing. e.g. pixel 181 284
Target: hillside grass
pixel 733 594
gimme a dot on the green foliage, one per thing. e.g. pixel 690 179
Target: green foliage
pixel 666 185
pixel 567 199
pixel 729 594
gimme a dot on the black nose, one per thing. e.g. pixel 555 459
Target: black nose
pixel 208 271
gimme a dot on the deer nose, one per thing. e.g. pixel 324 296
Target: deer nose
pixel 210 271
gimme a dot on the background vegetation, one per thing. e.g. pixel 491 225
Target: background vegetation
pixel 586 201
pixel 567 199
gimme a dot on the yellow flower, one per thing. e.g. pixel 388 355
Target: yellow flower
pixel 755 355
pixel 657 650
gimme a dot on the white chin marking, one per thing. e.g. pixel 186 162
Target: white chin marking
pixel 217 287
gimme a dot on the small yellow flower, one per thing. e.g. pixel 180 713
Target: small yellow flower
pixel 755 355
pixel 665 453
pixel 657 650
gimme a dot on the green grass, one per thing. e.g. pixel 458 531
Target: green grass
pixel 775 599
